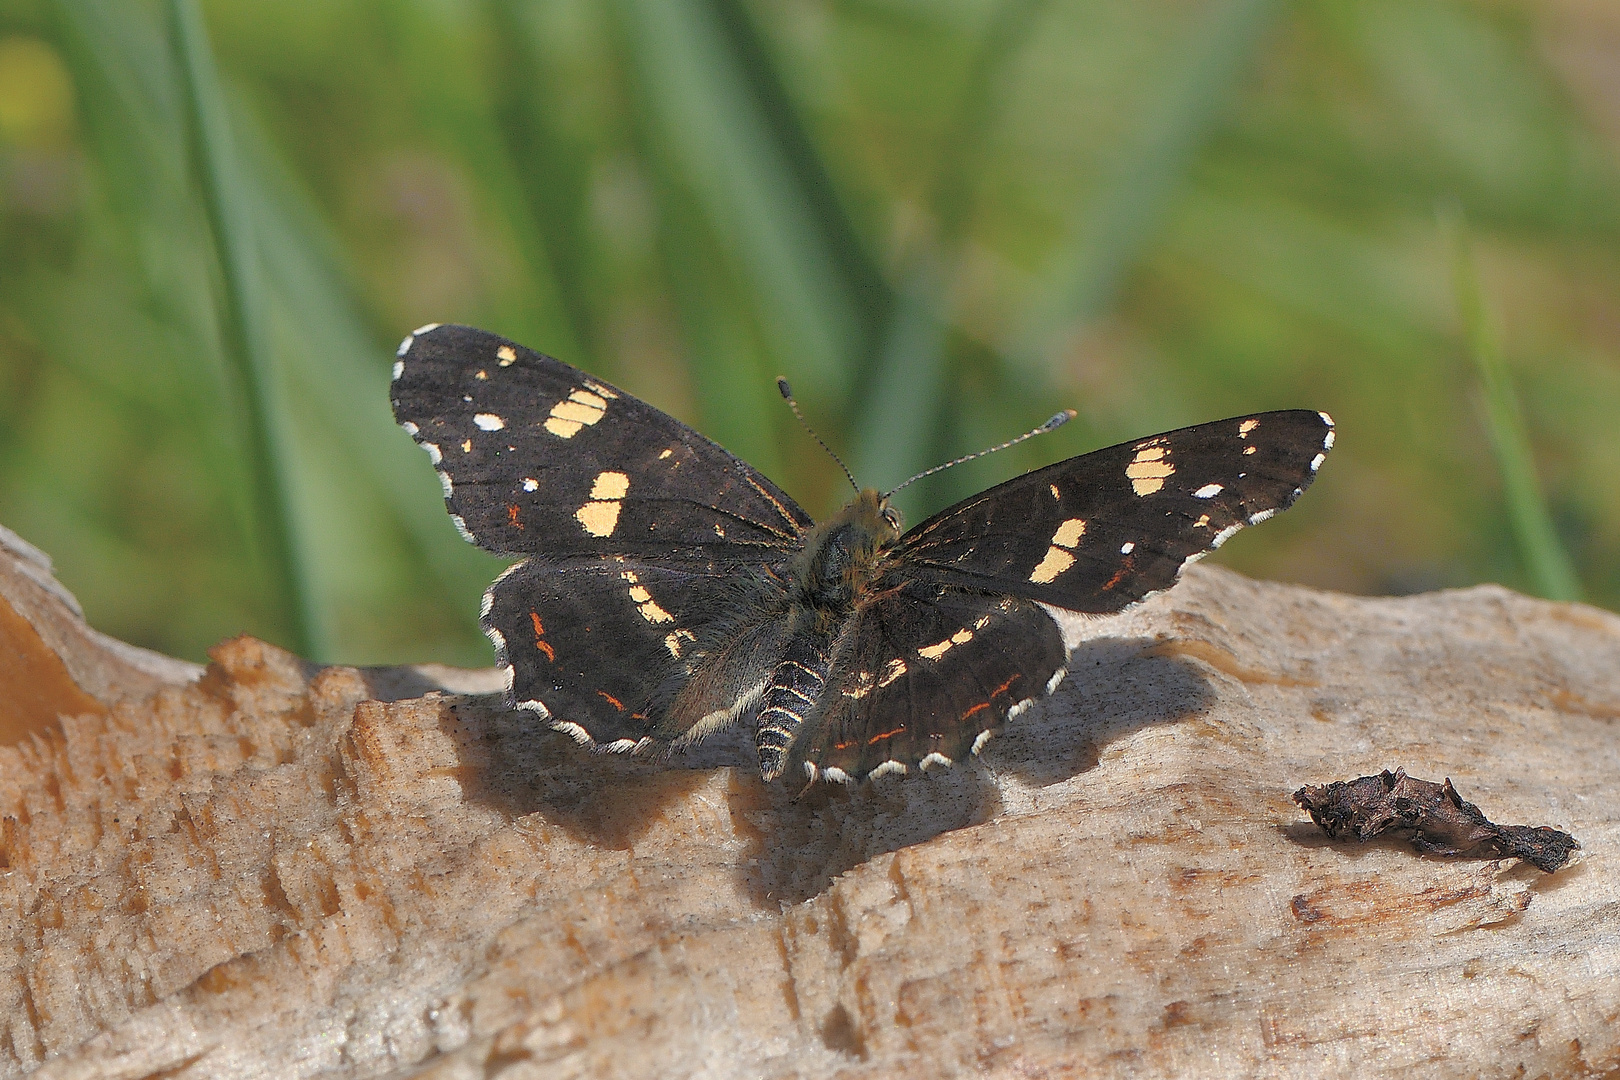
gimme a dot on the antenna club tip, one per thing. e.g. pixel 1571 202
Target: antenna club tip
pixel 1060 419
pixel 783 387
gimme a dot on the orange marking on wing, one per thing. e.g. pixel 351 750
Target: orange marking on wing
pixel 1002 689
pixel 885 735
pixel 540 637
pixel 1125 568
pixel 512 515
pixel 976 708
pixel 611 700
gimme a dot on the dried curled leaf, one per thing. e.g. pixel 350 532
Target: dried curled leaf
pixel 1437 820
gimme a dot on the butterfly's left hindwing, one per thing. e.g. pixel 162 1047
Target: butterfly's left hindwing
pixel 1099 532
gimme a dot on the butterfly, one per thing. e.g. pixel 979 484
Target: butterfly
pixel 667 589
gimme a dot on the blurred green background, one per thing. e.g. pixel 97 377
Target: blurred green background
pixel 943 219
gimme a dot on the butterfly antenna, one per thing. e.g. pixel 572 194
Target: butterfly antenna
pixel 787 395
pixel 1051 425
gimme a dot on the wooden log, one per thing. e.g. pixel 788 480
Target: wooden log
pixel 274 869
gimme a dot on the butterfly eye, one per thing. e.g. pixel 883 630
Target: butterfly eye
pixel 892 516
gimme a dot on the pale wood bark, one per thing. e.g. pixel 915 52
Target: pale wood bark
pixel 268 871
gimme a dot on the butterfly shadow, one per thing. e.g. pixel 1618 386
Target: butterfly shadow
pixel 798 840
pixel 805 841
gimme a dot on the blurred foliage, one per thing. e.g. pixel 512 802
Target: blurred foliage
pixel 943 219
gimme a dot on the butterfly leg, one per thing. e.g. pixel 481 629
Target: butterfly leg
pixel 795 687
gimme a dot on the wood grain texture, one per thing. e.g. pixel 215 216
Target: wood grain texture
pixel 270 872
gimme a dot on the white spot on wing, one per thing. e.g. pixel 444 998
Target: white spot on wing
pixel 936 758
pixel 1316 462
pixel 444 482
pixel 1127 547
pixel 399 369
pixel 404 347
pixel 890 766
pixel 488 421
pixel 1263 515
pixel 530 484
pixel 434 454
pixel 410 428
pixel 571 729
pixel 980 739
pixel 427 328
pixel 1057 677
pixel 835 774
pixel 1209 491
pixel 1225 534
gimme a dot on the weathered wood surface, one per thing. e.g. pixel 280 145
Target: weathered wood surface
pixel 267 872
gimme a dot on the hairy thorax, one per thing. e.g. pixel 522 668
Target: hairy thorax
pixel 843 556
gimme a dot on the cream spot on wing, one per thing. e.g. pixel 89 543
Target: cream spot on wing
pixel 639 594
pixel 488 421
pixel 598 518
pixel 1246 427
pixel 1069 533
pixel 600 389
pixel 665 454
pixel 934 652
pixel 896 668
pixel 577 411
pixel 863 686
pixel 1250 449
pixel 610 485
pixel 506 355
pixel 580 408
pixel 466 446
pixel 1202 522
pixel 676 640
pixel 482 375
pixel 530 484
pixel 1149 469
pixel 1054 489
pixel 655 614
pixel 1057 560
pixel 1209 491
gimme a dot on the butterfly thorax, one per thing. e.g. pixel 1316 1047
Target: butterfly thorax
pixel 843 556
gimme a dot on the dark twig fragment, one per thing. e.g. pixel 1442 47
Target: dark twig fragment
pixel 1436 819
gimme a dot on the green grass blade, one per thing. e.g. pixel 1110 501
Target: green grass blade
pixel 1122 220
pixel 718 145
pixel 898 431
pixel 244 321
pixel 1552 574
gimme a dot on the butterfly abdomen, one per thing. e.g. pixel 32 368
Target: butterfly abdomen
pixel 796 686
